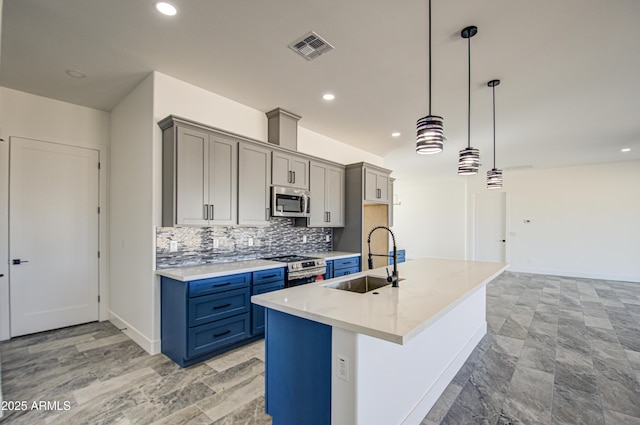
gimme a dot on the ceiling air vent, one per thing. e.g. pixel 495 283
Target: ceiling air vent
pixel 311 46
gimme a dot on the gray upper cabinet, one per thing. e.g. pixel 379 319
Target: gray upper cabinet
pixel 290 170
pixel 199 177
pixel 376 185
pixel 253 184
pixel 391 202
pixel 327 195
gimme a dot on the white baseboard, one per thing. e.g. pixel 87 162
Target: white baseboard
pixel 565 273
pixel 150 346
pixel 431 396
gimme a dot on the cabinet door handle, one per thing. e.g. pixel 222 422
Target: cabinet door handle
pixel 211 210
pixel 329 214
pixel 294 177
pixel 270 276
pixel 267 214
pixel 289 178
pixel 217 307
pixel 228 331
pixel 221 284
pixel 205 212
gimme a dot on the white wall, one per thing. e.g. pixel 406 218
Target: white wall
pixel 133 290
pixel 431 220
pixel 316 144
pixel 584 221
pixel 35 117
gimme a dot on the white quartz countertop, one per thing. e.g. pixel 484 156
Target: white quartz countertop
pixel 332 255
pixel 222 269
pixel 430 289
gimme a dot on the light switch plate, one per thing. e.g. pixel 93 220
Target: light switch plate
pixel 173 246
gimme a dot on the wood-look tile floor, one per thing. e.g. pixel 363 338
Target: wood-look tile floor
pixel 94 374
pixel 557 351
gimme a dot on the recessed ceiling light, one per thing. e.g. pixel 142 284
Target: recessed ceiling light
pixel 74 73
pixel 166 8
pixel 396 134
pixel 328 96
pixel 625 150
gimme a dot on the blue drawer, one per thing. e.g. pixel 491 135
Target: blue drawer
pixel 268 276
pixel 220 333
pixel 329 273
pixel 267 287
pixel 401 256
pixel 219 284
pixel 344 263
pixel 344 272
pixel 218 306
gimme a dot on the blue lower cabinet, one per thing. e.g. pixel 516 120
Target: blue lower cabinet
pixel 329 273
pixel 346 266
pixel 258 312
pixel 206 338
pixel 203 318
pixel 345 272
pixel 298 370
pixel 401 256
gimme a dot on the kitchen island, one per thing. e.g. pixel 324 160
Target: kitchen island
pixel 382 357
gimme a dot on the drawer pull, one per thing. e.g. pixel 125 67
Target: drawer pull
pixel 221 306
pixel 270 276
pixel 228 331
pixel 221 284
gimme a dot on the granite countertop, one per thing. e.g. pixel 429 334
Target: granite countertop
pixel 430 288
pixel 215 270
pixel 332 255
pixel 206 271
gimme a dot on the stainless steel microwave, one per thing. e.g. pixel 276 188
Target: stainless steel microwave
pixel 290 202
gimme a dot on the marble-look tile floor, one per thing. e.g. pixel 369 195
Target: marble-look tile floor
pixel 557 351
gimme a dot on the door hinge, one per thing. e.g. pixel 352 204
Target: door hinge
pixel 98 298
pixel 98 210
pixel 98 254
pixel 99 166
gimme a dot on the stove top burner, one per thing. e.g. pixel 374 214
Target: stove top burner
pixel 290 258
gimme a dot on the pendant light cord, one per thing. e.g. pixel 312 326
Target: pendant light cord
pixel 469 91
pixel 494 125
pixel 429 57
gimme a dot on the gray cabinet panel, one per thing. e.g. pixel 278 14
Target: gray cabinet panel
pixel 376 185
pixel 326 184
pixel 290 170
pixel 199 176
pixel 223 182
pixel 253 184
pixel 191 176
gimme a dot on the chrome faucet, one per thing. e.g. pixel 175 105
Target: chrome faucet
pixel 394 276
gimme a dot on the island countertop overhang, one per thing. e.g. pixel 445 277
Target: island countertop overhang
pixel 431 287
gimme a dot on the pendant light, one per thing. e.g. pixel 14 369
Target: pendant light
pixel 430 131
pixel 469 161
pixel 494 176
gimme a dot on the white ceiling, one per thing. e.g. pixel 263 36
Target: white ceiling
pixel 570 69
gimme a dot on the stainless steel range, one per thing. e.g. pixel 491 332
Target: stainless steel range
pixel 301 269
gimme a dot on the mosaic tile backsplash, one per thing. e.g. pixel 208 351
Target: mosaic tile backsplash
pixel 196 244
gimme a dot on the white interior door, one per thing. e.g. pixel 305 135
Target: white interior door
pixel 490 226
pixel 53 235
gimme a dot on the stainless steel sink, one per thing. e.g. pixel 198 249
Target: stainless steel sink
pixel 361 284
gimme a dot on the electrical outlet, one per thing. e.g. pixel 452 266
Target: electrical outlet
pixel 343 367
pixel 328 238
pixel 250 241
pixel 173 246
pixel 216 243
pixel 304 238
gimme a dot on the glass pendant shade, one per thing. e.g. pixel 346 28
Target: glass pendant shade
pixel 494 179
pixel 469 161
pixel 430 135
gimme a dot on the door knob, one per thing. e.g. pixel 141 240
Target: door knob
pixel 18 261
pixel 503 240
